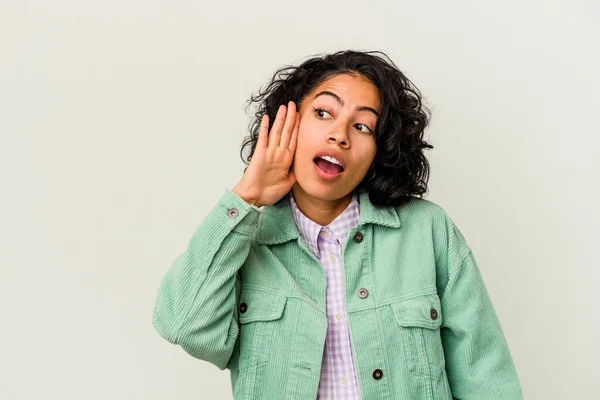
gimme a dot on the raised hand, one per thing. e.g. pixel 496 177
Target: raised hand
pixel 268 177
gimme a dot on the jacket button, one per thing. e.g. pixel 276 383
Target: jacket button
pixel 358 237
pixel 377 374
pixel 232 212
pixel 434 313
pixel 243 307
pixel 362 293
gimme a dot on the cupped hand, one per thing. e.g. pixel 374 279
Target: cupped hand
pixel 268 177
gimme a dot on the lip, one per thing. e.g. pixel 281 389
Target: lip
pixel 326 175
pixel 331 153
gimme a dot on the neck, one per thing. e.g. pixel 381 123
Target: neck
pixel 323 212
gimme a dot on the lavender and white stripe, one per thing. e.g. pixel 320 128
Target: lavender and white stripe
pixel 338 373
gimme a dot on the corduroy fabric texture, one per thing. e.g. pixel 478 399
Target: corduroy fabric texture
pixel 248 295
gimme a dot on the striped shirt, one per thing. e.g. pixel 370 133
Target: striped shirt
pixel 338 379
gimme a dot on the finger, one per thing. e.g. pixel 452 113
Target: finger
pixel 276 128
pixel 263 133
pixel 294 135
pixel 290 121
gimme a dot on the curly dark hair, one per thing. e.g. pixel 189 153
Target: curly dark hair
pixel 401 169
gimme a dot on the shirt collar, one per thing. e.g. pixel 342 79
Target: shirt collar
pixel 337 230
pixel 276 224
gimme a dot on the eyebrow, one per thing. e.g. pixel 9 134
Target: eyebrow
pixel 339 100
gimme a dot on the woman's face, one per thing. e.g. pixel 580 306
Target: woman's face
pixel 339 116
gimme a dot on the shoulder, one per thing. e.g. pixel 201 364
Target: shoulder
pixel 422 207
pixel 426 214
pixel 423 213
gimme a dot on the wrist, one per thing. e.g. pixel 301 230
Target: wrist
pixel 245 196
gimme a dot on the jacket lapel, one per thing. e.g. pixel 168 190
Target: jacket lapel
pixel 276 224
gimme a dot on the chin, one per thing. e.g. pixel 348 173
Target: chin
pixel 321 190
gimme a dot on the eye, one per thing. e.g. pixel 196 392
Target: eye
pixel 320 111
pixel 367 129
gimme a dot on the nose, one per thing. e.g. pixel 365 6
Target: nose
pixel 339 136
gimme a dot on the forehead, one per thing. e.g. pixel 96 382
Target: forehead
pixel 351 88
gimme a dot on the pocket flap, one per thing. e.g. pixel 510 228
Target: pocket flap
pixel 422 311
pixel 260 306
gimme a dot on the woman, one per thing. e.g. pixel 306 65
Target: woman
pixel 323 273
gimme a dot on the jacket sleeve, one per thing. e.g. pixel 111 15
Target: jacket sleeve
pixel 479 365
pixel 196 303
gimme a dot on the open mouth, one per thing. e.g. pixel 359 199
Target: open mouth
pixel 327 166
pixel 327 169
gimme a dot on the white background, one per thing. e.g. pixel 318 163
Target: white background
pixel 120 127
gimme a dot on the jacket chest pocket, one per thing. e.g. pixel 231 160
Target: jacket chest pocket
pixel 259 313
pixel 419 320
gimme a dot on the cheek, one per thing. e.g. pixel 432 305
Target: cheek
pixel 304 130
pixel 301 153
pixel 305 145
pixel 369 149
pixel 309 127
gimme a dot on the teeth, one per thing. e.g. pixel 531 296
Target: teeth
pixel 332 160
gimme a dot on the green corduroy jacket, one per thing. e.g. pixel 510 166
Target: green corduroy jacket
pixel 248 295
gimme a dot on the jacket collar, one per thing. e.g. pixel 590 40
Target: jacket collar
pixel 276 224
